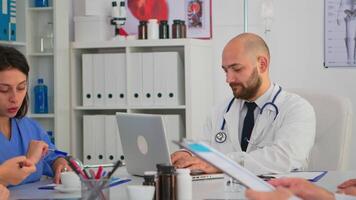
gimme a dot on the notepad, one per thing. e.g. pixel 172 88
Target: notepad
pixel 312 176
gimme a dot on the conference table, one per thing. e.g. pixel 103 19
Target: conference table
pixel 204 189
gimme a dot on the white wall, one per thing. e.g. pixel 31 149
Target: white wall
pixel 296 44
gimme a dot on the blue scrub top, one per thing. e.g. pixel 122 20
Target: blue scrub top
pixel 22 132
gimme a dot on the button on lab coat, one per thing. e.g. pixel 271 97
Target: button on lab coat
pixel 276 145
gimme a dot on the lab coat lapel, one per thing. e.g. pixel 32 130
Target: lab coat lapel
pixel 232 122
pixel 264 121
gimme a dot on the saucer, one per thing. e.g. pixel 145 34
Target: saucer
pixel 61 188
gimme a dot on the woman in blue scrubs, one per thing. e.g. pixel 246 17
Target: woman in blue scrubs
pixel 20 135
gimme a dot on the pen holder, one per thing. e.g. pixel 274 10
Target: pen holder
pixel 95 189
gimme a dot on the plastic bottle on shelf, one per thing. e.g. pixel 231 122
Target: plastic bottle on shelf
pixel 41 97
pixel 41 3
pixel 152 29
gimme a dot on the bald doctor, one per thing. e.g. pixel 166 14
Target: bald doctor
pixel 263 127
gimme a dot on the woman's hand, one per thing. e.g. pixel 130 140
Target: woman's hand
pixel 59 165
pixel 15 170
pixel 36 150
pixel 4 193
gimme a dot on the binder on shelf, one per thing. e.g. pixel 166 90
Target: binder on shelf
pixel 160 97
pixel 175 74
pixel 111 80
pixel 174 127
pixel 99 79
pixel 113 149
pixel 87 80
pixel 4 20
pixel 135 80
pixel 115 79
pixel 147 79
pixel 99 139
pixel 12 20
pixel 122 79
pixel 88 140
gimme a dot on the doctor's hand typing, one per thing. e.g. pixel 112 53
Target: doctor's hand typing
pixel 183 159
pixel 15 170
pixel 37 150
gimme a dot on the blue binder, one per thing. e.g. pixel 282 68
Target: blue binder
pixel 4 19
pixel 12 20
pixel 8 20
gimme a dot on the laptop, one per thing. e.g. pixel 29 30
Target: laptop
pixel 144 143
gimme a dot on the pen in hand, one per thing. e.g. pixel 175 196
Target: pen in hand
pixel 58 152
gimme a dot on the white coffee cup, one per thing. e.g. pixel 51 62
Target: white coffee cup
pixel 70 179
pixel 140 192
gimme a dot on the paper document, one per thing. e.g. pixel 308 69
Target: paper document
pixel 311 176
pixel 226 165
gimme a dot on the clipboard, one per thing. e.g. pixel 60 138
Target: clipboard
pixel 227 165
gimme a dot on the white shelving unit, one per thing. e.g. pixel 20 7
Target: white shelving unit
pixel 197 60
pixel 52 66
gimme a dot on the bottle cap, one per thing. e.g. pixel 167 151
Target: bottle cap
pixel 143 22
pixel 40 81
pixel 149 178
pixel 183 171
pixel 163 22
pixel 176 21
pixel 152 20
pixel 152 173
pixel 114 4
pixel 165 168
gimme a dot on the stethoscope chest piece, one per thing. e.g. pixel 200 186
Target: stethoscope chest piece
pixel 220 137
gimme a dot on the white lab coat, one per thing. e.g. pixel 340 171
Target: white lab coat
pixel 276 146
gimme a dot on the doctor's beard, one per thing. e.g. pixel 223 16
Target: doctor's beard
pixel 250 90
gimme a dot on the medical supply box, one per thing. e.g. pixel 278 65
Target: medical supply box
pixel 92 28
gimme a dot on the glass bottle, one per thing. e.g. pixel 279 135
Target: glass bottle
pixel 176 29
pixel 47 39
pixel 163 29
pixel 142 30
pixel 183 29
pixel 166 184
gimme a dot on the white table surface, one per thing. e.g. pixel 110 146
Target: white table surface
pixel 207 189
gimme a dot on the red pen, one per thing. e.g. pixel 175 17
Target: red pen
pixel 98 173
pixel 78 169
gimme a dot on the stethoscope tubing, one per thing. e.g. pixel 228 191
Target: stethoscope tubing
pixel 263 107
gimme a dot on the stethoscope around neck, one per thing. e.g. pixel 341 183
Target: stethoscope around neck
pixel 221 136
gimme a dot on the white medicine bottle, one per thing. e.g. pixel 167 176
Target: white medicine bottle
pixel 184 184
pixel 152 29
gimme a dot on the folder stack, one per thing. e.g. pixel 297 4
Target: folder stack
pixel 101 139
pixel 8 20
pixel 153 79
pixel 156 79
pixel 104 79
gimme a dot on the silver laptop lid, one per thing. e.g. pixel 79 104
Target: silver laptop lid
pixel 144 142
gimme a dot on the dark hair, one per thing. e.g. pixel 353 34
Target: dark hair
pixel 11 58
